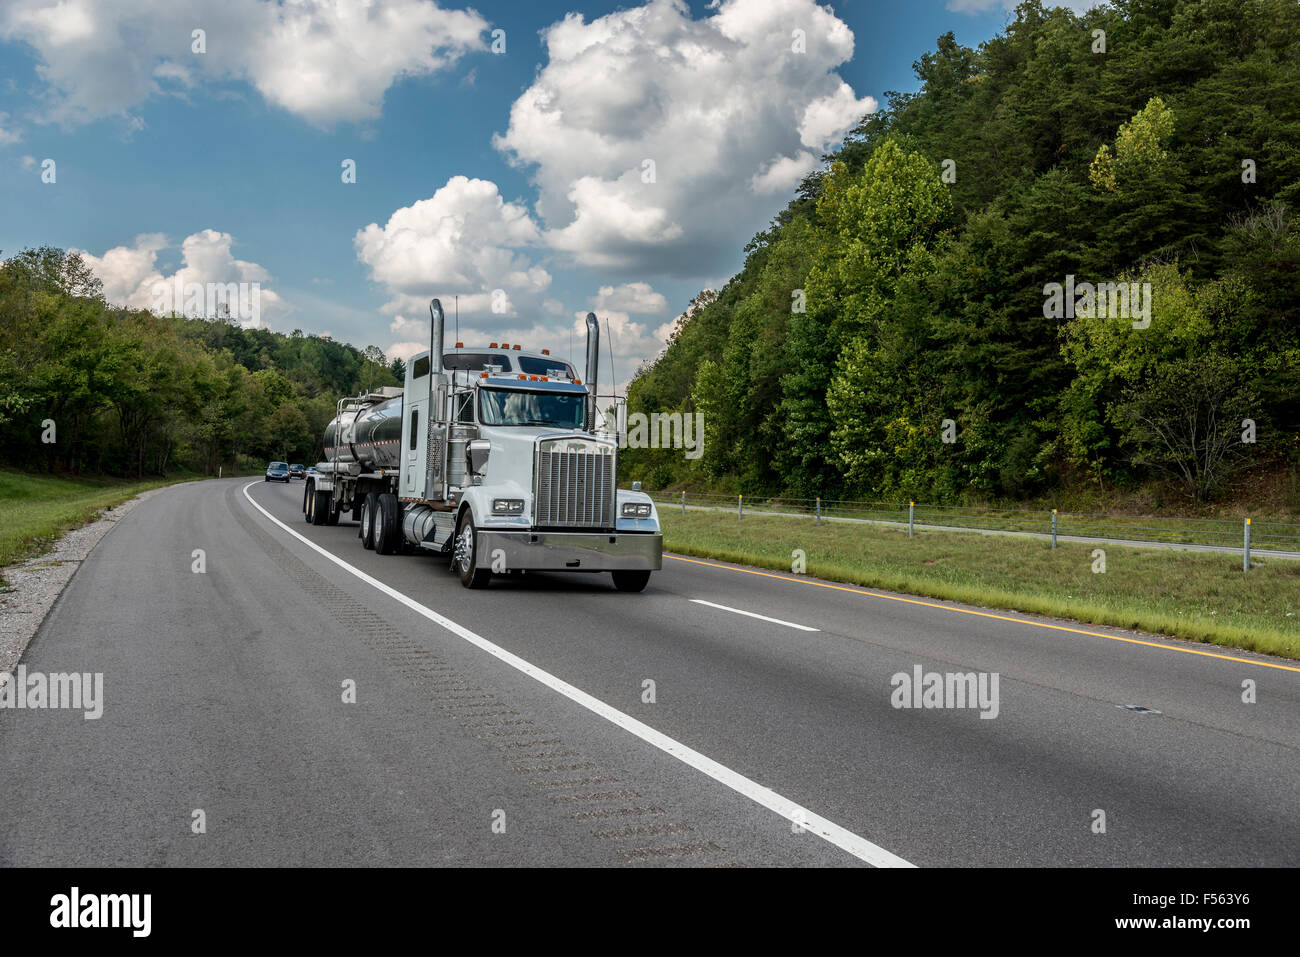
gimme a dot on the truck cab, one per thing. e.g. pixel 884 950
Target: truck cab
pixel 500 465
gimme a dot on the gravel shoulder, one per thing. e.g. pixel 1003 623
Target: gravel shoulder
pixel 31 587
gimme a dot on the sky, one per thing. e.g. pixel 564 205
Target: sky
pixel 527 162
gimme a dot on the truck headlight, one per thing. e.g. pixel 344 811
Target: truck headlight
pixel 507 506
pixel 636 509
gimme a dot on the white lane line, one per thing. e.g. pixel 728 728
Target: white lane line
pixel 828 830
pixel 750 614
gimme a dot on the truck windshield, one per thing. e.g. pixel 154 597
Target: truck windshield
pixel 561 410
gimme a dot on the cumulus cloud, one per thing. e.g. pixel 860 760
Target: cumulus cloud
pixel 464 239
pixel 8 135
pixel 131 277
pixel 324 60
pixel 629 340
pixel 650 131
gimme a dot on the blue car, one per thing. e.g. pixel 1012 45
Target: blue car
pixel 277 472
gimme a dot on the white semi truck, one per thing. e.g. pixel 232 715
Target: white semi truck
pixel 488 456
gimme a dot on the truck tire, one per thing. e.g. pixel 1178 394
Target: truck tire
pixel 332 516
pixel 388 524
pixel 630 581
pixel 320 507
pixel 369 507
pixel 465 554
pixel 306 499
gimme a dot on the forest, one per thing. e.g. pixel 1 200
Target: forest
pixel 90 388
pixel 901 331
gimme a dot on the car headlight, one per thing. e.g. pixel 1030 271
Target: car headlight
pixel 507 506
pixel 636 509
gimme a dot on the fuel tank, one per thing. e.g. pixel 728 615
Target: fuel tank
pixel 370 436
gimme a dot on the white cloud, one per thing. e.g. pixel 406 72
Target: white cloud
pixel 723 106
pixel 324 60
pixel 8 135
pixel 630 297
pixel 783 174
pixel 465 239
pixel 630 340
pixel 131 276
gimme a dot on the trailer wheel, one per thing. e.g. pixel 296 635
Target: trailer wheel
pixel 630 581
pixel 320 507
pixel 368 509
pixel 465 554
pixel 388 526
pixel 332 515
pixel 308 500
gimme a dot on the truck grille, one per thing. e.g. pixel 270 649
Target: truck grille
pixel 575 489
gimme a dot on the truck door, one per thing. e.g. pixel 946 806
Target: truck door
pixel 415 427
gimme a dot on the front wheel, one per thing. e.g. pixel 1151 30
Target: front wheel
pixel 630 581
pixel 465 555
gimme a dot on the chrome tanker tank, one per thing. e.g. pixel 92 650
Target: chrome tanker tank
pixel 368 433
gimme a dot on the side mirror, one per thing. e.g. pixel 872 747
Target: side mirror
pixel 476 456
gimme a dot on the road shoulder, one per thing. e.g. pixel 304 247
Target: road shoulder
pixel 33 586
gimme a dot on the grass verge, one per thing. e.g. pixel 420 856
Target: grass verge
pixel 36 509
pixel 1198 596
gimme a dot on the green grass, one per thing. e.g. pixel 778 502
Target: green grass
pixel 36 509
pixel 1204 597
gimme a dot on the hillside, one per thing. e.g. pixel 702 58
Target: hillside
pixel 895 332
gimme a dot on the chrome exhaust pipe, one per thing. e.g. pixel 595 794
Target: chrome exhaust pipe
pixel 593 367
pixel 435 338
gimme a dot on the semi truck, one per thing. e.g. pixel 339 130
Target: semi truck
pixel 488 456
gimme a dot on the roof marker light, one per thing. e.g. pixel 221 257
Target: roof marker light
pixel 493 346
pixel 546 352
pixel 515 346
pixel 460 345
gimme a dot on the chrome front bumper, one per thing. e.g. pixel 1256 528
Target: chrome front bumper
pixel 569 551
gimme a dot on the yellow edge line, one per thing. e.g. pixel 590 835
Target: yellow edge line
pixel 985 614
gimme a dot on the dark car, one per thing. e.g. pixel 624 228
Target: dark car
pixel 277 472
pixel 297 471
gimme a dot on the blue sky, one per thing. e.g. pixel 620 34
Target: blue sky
pixel 519 175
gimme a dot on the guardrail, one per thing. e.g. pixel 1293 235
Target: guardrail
pixel 1220 534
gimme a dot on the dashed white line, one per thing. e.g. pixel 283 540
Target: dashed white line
pixel 814 823
pixel 750 614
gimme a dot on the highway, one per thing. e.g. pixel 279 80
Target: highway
pixel 724 717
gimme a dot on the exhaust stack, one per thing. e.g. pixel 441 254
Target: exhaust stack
pixel 593 367
pixel 435 339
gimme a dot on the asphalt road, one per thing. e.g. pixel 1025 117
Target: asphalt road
pixel 524 734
